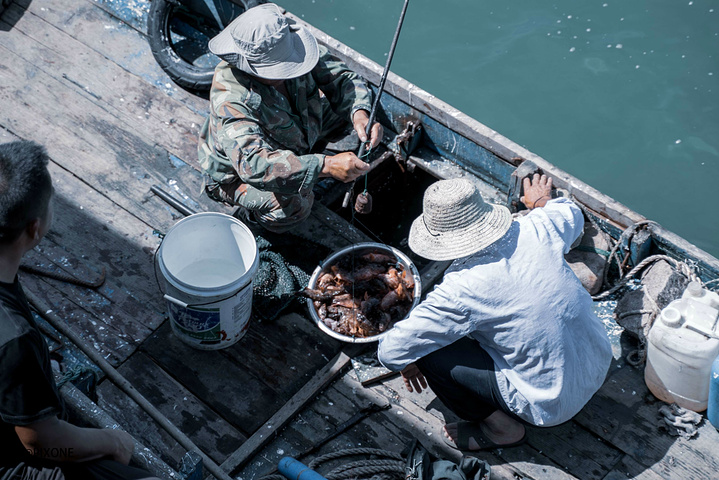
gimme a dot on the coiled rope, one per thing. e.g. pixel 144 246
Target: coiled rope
pixel 390 466
pixel 627 235
pixel 681 267
pixel 638 356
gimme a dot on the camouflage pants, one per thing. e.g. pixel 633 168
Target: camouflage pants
pixel 276 212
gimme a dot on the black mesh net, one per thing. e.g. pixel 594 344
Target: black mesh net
pixel 286 263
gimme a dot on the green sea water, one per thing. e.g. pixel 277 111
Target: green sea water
pixel 623 95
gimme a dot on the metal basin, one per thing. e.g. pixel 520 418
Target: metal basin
pixel 361 249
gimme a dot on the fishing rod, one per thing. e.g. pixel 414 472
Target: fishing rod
pixel 365 205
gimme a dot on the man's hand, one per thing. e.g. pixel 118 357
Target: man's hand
pixel 360 120
pixel 537 192
pixel 413 378
pixel 124 446
pixel 74 444
pixel 344 167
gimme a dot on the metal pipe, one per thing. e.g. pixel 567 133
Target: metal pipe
pixel 172 201
pixel 45 312
pixel 375 104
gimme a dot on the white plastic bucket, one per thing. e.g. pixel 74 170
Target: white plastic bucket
pixel 208 262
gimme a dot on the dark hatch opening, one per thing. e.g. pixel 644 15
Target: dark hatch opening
pixel 397 201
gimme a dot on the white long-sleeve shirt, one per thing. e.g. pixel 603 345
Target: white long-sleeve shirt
pixel 521 301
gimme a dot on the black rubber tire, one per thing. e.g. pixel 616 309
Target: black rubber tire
pixel 181 71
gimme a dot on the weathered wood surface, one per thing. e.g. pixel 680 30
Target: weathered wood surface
pixel 190 414
pixel 76 78
pixel 79 406
pixel 626 444
pixel 281 417
pixel 624 414
pixel 248 382
pixel 135 102
pixel 89 234
pixel 107 147
pixel 118 41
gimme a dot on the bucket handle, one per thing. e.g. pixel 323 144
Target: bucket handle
pixel 190 305
pixel 175 301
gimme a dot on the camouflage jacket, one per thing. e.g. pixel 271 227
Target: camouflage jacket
pixel 255 133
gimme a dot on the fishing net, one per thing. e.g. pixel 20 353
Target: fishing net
pixel 286 263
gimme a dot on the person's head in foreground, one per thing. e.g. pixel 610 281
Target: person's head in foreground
pixel 262 42
pixel 25 193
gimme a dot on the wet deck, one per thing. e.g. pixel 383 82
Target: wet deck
pixel 78 76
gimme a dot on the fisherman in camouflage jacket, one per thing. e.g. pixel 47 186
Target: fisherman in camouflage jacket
pixel 276 97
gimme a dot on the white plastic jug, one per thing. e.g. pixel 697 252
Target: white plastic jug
pixel 683 343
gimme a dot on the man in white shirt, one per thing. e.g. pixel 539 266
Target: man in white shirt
pixel 508 338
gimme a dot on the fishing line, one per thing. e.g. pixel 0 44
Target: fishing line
pixel 380 89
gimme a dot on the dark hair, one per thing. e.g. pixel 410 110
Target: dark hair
pixel 25 187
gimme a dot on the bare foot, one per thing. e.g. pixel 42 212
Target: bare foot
pixel 499 427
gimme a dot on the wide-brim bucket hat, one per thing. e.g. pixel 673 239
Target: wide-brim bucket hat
pixel 265 43
pixel 456 221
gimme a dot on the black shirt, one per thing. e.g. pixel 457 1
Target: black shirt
pixel 28 392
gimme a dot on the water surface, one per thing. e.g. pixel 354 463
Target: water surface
pixel 623 95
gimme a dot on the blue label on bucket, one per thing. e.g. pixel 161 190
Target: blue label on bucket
pixel 193 320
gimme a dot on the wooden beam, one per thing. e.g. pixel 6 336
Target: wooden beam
pixel 268 431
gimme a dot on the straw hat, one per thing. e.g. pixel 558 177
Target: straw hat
pixel 263 42
pixel 456 221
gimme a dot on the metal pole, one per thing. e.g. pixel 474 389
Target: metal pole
pixel 375 104
pixel 170 200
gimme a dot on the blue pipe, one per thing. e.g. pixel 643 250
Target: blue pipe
pixel 295 470
pixel 713 406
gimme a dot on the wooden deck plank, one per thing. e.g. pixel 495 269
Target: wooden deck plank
pixel 191 415
pixel 106 339
pixel 316 422
pixel 137 105
pixel 630 468
pixel 382 434
pixel 533 464
pixel 118 42
pixel 273 361
pixel 420 423
pixel 114 298
pixel 284 415
pixel 633 428
pixel 582 453
pixel 101 150
pixel 139 424
pixel 160 118
pixel 93 228
pixel 307 423
pixel 288 350
pixel 92 301
pixel 238 395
